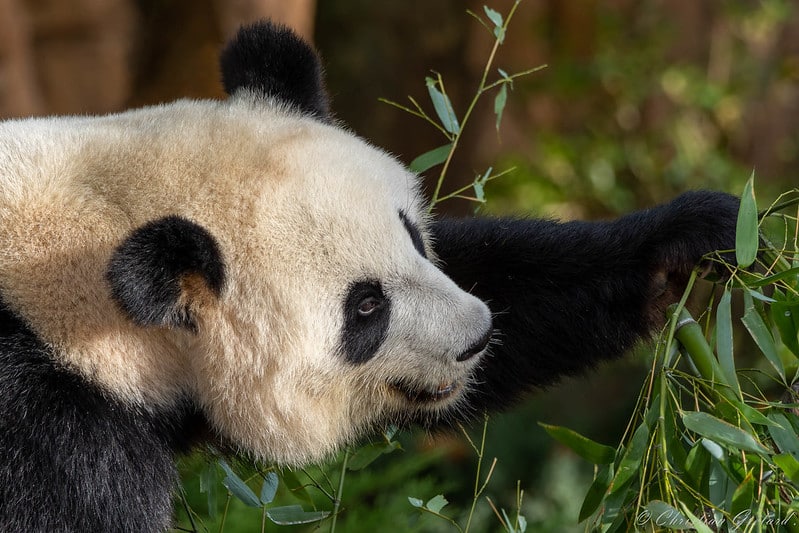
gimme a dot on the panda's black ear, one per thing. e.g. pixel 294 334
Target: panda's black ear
pixel 164 271
pixel 270 60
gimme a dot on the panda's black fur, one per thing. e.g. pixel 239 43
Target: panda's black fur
pixel 75 456
pixel 277 64
pixel 144 272
pixel 589 290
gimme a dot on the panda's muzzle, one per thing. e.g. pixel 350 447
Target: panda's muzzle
pixel 416 396
pixel 477 348
pixel 445 389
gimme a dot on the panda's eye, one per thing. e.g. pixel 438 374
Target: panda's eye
pixel 369 305
pixel 367 314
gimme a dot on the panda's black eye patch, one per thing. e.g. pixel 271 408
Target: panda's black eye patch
pixel 415 234
pixel 367 311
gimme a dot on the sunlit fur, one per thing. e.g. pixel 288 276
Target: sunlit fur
pixel 300 210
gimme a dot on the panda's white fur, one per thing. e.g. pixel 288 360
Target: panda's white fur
pixel 300 209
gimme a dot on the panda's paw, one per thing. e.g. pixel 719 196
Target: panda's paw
pixel 699 230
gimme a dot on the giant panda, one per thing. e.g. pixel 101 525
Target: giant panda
pixel 247 272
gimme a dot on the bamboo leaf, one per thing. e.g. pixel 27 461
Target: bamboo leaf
pixel 724 342
pixel 663 515
pixel 582 446
pixel 789 465
pixel 612 513
pixel 436 503
pixel 479 191
pixel 429 159
pixel 269 488
pixel 783 435
pixel 291 515
pixel 296 487
pixel 743 496
pixel 442 105
pixel 493 16
pixel 722 432
pixel 208 484
pixel 784 315
pixel 496 19
pixel 713 449
pixel 719 488
pixel 753 415
pixel 757 295
pixel 631 462
pixel 238 488
pixel 762 336
pixel 789 274
pixel 698 524
pixel 746 234
pixel 499 103
pixel 596 492
pixel 696 465
pixel 366 455
pixel 479 185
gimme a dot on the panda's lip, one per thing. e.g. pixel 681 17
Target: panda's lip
pixel 441 392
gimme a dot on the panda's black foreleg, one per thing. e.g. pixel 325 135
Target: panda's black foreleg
pixel 566 296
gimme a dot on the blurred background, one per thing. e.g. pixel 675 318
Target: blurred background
pixel 640 100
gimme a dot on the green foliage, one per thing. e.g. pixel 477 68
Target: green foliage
pixel 634 121
pixel 449 124
pixel 715 444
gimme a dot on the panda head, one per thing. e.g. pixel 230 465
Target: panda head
pixel 295 276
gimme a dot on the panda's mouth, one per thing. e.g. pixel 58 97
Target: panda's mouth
pixel 416 395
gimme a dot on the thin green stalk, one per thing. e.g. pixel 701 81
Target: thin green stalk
pixel 457 193
pixel 337 501
pixel 318 486
pixel 480 91
pixel 224 513
pixel 514 76
pixel 188 509
pixel 778 207
pixel 519 497
pixel 663 448
pixel 477 489
pixel 676 309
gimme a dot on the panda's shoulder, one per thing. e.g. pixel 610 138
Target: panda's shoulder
pixel 55 420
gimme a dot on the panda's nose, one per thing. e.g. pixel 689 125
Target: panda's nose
pixel 476 348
